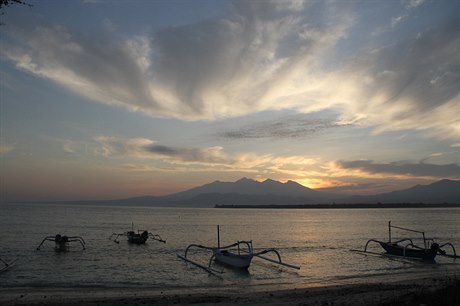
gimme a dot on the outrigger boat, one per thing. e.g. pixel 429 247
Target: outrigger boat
pixel 406 247
pixel 61 242
pixel 238 255
pixel 139 237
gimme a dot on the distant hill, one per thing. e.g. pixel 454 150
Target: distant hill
pixel 269 192
pixel 444 191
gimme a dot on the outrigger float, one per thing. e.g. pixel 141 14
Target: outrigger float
pixel 61 242
pixel 238 255
pixel 407 249
pixel 139 237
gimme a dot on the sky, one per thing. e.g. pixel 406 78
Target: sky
pixel 110 99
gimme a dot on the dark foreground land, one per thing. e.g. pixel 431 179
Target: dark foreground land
pixel 425 291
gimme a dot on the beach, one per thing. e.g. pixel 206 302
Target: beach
pixel 420 291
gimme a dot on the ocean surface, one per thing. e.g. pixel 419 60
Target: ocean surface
pixel 318 240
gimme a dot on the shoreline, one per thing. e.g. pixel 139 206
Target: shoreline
pixel 427 290
pixel 331 206
pixel 340 206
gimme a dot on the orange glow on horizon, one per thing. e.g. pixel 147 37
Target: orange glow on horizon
pixel 316 183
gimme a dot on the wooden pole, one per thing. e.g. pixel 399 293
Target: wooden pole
pixel 389 231
pixel 218 237
pixel 278 262
pixel 207 269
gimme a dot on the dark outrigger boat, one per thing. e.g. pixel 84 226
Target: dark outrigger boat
pixel 139 237
pixel 406 247
pixel 61 242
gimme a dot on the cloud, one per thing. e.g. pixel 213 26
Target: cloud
pixel 114 146
pixel 401 168
pixel 219 68
pixel 396 20
pixel 411 4
pixel 6 148
pixel 287 127
pixel 69 147
pixel 402 86
pixel 211 155
pixel 143 148
pixel 261 56
pixel 143 154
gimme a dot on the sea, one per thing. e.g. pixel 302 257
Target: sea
pixel 320 241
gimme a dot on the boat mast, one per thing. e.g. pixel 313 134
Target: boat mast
pixel 389 231
pixel 218 237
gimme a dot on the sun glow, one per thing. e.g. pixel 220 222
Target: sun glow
pixel 315 183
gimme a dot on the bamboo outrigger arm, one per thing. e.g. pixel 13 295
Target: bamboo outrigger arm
pixel 7 265
pixel 197 246
pixel 78 239
pixel 45 239
pixel 208 268
pixel 116 238
pixel 280 262
pixel 156 237
pixel 405 239
pixel 367 243
pixel 447 255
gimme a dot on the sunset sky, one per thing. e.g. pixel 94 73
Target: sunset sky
pixel 107 99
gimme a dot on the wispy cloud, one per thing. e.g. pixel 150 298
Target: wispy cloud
pixel 403 168
pixel 69 147
pixel 6 148
pixel 220 68
pixel 262 56
pixel 211 155
pixel 115 146
pixel 287 127
pixel 143 148
pixel 411 4
pixel 138 150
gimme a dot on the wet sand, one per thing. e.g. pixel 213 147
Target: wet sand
pixel 421 291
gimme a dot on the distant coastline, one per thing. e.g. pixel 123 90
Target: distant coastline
pixel 337 206
pixel 248 193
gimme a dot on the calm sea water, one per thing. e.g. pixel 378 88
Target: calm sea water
pixel 317 240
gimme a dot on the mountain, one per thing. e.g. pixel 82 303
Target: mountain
pixel 444 191
pixel 242 192
pixel 269 192
pixel 249 187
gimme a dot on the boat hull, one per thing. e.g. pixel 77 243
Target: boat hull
pixel 398 250
pixel 61 247
pixel 234 260
pixel 137 238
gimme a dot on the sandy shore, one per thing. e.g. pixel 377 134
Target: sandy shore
pixel 422 291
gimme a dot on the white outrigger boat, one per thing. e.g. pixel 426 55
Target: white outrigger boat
pixel 238 255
